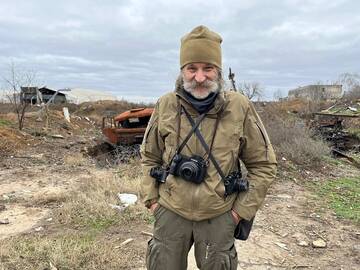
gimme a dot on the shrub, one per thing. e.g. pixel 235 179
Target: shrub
pixel 293 140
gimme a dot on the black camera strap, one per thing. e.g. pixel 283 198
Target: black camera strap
pixel 206 147
pixel 193 130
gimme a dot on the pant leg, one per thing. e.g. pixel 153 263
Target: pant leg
pixel 214 243
pixel 171 242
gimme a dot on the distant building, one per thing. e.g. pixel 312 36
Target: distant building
pixel 79 95
pixel 318 92
pixel 35 95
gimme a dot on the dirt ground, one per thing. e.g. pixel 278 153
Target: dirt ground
pixel 291 214
pixel 36 178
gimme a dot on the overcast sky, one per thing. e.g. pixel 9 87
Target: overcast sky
pixel 131 48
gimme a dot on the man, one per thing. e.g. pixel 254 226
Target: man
pixel 185 175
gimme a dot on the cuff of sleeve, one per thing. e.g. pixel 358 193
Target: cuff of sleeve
pixel 244 211
pixel 149 190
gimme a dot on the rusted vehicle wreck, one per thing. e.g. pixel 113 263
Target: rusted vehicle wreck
pixel 128 127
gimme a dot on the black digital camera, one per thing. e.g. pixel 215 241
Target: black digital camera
pixel 159 174
pixel 192 169
pixel 234 182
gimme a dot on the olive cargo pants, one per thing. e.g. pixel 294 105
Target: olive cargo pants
pixel 174 236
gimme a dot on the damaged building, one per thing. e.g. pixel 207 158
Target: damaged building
pixel 35 95
pixel 318 92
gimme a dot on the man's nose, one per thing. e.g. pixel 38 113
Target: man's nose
pixel 200 76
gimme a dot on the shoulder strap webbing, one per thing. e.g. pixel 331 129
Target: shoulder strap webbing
pixel 206 147
pixel 193 129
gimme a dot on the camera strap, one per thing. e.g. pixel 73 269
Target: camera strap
pixel 204 144
pixel 193 130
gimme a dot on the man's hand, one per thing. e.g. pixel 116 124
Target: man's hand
pixel 235 216
pixel 153 207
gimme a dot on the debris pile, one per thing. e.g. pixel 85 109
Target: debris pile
pixel 339 125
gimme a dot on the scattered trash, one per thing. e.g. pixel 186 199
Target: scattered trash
pixel 303 244
pixel 281 245
pixel 52 267
pixel 147 233
pixel 66 114
pixel 4 221
pixel 314 215
pixel 356 248
pixel 352 109
pixel 39 229
pixel 57 136
pixel 319 243
pixel 126 242
pixel 127 198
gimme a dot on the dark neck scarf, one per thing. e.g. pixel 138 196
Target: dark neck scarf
pixel 201 105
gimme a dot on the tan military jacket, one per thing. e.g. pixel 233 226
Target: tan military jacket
pixel 240 134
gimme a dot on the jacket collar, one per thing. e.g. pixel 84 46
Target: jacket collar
pixel 219 103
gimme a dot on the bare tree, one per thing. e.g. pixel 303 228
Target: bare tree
pixel 353 94
pixel 349 80
pixel 351 85
pixel 13 83
pixel 251 89
pixel 278 94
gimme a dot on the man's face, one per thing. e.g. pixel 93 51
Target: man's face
pixel 200 79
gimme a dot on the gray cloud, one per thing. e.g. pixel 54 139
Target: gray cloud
pixel 131 47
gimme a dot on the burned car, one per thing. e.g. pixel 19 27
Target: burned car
pixel 128 127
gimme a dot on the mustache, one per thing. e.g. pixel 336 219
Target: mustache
pixel 192 84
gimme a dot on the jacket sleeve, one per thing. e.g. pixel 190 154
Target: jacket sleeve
pixel 259 158
pixel 151 156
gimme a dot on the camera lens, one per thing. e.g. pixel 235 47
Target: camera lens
pixel 188 170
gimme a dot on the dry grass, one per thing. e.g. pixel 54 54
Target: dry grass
pixel 76 159
pixel 68 251
pixel 11 141
pixel 48 197
pixel 292 139
pixel 87 232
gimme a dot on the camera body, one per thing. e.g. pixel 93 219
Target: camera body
pixel 192 169
pixel 159 174
pixel 234 182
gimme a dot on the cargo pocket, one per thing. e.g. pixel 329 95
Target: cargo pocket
pixel 148 252
pixel 221 260
pixel 153 255
pixel 233 258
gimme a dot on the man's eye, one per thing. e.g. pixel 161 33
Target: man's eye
pixel 208 69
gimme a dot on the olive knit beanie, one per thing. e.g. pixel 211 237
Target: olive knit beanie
pixel 201 45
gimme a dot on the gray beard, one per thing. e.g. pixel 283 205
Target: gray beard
pixel 191 87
